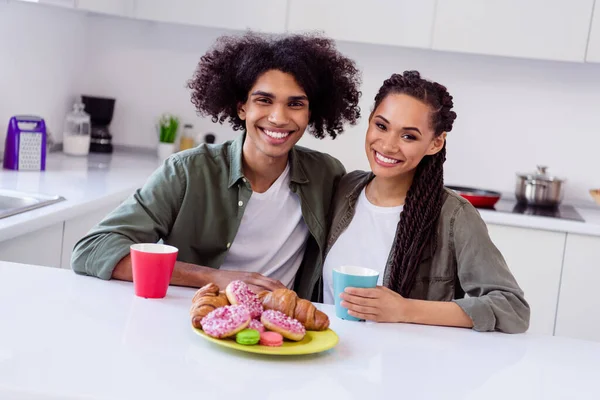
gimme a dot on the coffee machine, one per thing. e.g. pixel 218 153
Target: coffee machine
pixel 101 114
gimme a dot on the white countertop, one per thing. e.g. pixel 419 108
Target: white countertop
pixel 65 336
pixel 87 183
pixel 99 180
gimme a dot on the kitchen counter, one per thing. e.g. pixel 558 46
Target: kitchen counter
pixel 87 183
pixel 99 180
pixel 66 336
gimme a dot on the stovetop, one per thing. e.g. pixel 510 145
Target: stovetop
pixel 564 211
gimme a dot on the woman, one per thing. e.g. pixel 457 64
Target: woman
pixel 430 246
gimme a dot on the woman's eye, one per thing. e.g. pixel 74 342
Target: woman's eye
pixel 263 100
pixel 296 104
pixel 381 126
pixel 408 137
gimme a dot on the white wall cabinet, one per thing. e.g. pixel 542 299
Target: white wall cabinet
pixel 579 304
pixel 541 29
pixel 122 8
pixel 400 22
pixel 77 228
pixel 593 52
pixel 535 259
pixel 42 247
pixel 259 15
pixel 58 3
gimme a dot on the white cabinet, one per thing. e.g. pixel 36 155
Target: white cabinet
pixel 113 7
pixel 59 3
pixel 399 22
pixel 542 29
pixel 535 259
pixel 593 52
pixel 42 247
pixel 259 15
pixel 77 228
pixel 578 303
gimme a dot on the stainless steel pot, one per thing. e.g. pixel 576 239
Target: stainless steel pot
pixel 539 189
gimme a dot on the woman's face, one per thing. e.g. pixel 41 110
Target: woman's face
pixel 399 136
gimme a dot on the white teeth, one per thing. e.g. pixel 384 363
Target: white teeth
pixel 276 135
pixel 385 159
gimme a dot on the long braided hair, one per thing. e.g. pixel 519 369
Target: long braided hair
pixel 425 197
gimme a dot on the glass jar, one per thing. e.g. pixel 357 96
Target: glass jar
pixel 76 134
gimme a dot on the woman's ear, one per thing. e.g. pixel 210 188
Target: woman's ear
pixel 242 111
pixel 437 144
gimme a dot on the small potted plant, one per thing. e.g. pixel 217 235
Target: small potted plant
pixel 168 126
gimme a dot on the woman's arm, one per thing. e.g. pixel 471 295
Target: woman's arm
pixel 495 301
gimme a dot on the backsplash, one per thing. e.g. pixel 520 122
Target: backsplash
pixel 513 114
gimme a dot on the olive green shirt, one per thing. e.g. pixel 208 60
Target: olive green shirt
pixel 195 202
pixel 463 261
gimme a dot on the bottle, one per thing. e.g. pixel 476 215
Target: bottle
pixel 77 130
pixel 187 137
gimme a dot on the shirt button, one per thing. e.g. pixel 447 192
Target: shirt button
pixel 228 245
pixel 240 203
pixel 244 180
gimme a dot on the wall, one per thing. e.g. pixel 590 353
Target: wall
pixel 512 114
pixel 41 60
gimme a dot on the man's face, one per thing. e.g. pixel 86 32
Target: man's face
pixel 276 115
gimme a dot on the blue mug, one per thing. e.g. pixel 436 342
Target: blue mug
pixel 351 276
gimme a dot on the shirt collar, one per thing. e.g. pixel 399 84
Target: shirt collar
pixel 236 170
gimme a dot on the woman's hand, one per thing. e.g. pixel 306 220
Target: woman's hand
pixel 379 304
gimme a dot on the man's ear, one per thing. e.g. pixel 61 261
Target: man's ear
pixel 241 111
pixel 437 144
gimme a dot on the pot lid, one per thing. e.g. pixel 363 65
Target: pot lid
pixel 541 175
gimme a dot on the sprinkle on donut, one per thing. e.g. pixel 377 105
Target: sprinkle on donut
pixel 238 293
pixel 226 321
pixel 256 324
pixel 288 327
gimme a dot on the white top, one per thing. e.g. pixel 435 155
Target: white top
pixel 66 336
pixel 272 236
pixel 366 242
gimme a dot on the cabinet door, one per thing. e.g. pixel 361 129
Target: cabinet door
pixel 77 228
pixel 259 15
pixel 593 51
pixel 542 29
pixel 58 3
pixel 42 247
pixel 114 7
pixel 400 22
pixel 535 259
pixel 579 304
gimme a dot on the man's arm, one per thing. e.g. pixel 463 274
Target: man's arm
pixel 185 274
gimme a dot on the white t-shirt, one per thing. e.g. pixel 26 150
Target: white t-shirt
pixel 366 242
pixel 272 236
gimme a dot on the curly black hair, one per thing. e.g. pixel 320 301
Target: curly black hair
pixel 425 197
pixel 227 72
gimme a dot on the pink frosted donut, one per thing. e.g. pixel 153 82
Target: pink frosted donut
pixel 225 321
pixel 278 322
pixel 238 293
pixel 256 324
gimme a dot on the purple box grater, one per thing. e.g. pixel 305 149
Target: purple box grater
pixel 25 146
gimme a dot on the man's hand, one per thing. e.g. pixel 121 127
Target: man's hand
pixel 254 280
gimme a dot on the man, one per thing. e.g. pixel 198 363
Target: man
pixel 255 208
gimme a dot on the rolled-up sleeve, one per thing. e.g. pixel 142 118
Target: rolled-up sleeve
pixel 495 301
pixel 146 217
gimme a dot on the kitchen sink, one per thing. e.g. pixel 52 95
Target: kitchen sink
pixel 13 202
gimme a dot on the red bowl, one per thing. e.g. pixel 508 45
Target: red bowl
pixel 477 197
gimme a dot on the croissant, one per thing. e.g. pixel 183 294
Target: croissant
pixel 206 299
pixel 288 302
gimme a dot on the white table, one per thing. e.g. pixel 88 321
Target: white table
pixel 64 336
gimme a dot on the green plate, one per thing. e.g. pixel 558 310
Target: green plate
pixel 313 342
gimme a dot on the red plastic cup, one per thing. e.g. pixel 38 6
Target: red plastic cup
pixel 152 266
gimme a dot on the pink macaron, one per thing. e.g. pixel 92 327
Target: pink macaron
pixel 271 339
